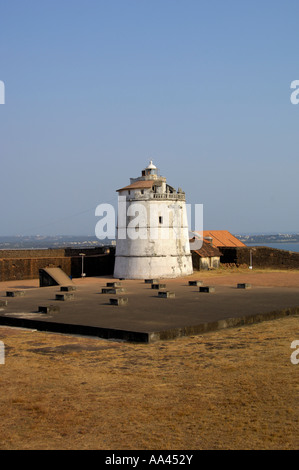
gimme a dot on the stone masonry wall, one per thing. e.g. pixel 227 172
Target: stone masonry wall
pixel 25 264
pixel 262 257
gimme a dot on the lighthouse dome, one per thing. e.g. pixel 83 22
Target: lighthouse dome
pixel 151 170
pixel 151 166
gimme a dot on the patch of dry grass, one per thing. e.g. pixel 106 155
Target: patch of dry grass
pixel 231 389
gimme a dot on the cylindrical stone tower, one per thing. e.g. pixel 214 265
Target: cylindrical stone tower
pixel 152 230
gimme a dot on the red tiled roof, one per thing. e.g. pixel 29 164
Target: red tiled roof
pixel 138 185
pixel 222 238
pixel 207 250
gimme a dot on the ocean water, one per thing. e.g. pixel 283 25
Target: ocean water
pixel 280 246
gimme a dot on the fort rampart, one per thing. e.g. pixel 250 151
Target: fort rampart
pixel 260 256
pixel 25 264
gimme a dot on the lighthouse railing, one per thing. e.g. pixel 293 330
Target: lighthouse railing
pixel 172 196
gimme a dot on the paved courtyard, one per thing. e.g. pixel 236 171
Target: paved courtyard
pixel 147 317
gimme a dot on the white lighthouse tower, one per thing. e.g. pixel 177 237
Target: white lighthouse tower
pixel 152 231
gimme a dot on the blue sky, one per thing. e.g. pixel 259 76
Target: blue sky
pixel 94 89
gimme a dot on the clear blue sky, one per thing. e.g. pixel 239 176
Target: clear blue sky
pixel 96 88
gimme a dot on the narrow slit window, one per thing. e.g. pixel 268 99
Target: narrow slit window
pixel 160 219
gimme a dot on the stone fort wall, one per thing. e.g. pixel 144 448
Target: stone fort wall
pixel 262 257
pixel 25 264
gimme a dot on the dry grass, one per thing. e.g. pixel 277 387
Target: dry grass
pixel 231 389
pixel 234 389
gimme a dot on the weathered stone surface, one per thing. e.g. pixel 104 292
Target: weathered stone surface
pixel 158 286
pixel 111 290
pixel 53 276
pixel 261 256
pixel 25 264
pixel 3 303
pixel 195 283
pixel 49 309
pixel 67 288
pixel 114 284
pixel 15 293
pixel 66 296
pixel 119 301
pixel 166 294
pixel 207 289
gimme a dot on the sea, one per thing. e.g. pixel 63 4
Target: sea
pixel 280 246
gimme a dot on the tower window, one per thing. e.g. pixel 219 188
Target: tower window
pixel 160 220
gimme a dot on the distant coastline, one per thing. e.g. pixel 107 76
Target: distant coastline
pixel 281 241
pixel 292 246
pixel 46 242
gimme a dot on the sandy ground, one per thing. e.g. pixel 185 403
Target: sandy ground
pixel 231 389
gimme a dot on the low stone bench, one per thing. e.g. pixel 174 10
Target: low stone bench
pixel 151 281
pixel 66 296
pixel 67 288
pixel 158 286
pixel 195 283
pixel 166 295
pixel 3 303
pixel 244 286
pixel 15 293
pixel 207 289
pixel 114 284
pixel 119 301
pixel 49 309
pixel 110 290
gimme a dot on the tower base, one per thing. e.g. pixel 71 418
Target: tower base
pixel 149 267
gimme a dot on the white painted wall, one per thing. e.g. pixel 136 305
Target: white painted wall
pixel 153 247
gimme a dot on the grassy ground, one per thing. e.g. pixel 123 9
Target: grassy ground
pixel 231 389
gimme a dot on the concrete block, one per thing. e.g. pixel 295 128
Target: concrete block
pixel 3 303
pixel 244 286
pixel 67 288
pixel 119 301
pixel 158 286
pixel 49 309
pixel 166 295
pixel 195 283
pixel 107 290
pixel 110 290
pixel 151 281
pixel 66 296
pixel 207 289
pixel 114 284
pixel 15 293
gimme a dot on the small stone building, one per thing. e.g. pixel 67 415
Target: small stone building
pixel 214 241
pixel 207 257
